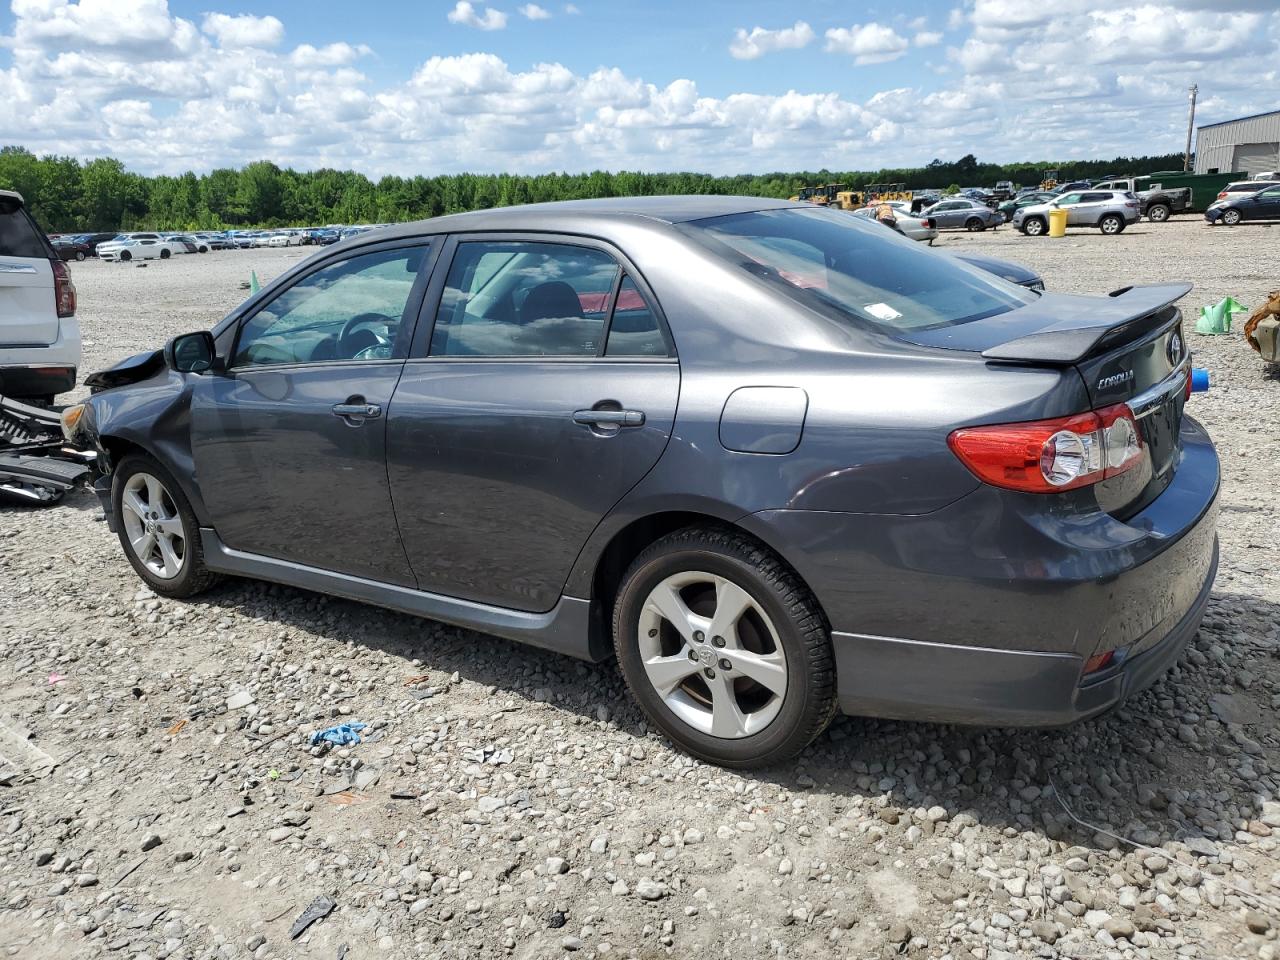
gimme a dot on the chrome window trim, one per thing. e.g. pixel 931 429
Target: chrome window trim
pixel 1150 400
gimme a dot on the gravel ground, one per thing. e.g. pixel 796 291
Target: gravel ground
pixel 508 802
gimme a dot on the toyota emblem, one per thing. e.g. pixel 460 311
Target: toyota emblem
pixel 1175 348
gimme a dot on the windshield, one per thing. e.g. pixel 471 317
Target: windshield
pixel 855 270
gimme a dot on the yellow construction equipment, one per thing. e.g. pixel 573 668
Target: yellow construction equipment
pixel 823 196
pixel 1050 180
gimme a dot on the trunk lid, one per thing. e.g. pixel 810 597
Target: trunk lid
pixel 28 313
pixel 1128 348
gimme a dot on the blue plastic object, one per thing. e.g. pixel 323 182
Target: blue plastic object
pixel 339 736
pixel 1199 379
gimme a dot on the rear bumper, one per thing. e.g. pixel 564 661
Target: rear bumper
pixel 945 683
pixel 36 380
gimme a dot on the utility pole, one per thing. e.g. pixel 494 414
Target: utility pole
pixel 1191 120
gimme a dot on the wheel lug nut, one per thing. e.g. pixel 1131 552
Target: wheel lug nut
pixel 693 656
pixel 726 665
pixel 711 674
pixel 699 636
pixel 718 641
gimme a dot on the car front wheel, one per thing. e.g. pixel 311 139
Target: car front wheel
pixel 126 256
pixel 1111 224
pixel 724 648
pixel 158 529
pixel 165 254
pixel 1231 217
pixel 80 256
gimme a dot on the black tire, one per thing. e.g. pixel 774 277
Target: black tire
pixel 125 256
pixel 804 638
pixel 80 255
pixel 1158 212
pixel 165 254
pixel 1035 226
pixel 974 225
pixel 1231 217
pixel 193 576
pixel 1111 224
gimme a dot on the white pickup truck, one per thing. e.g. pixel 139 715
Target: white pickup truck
pixel 1157 203
pixel 39 333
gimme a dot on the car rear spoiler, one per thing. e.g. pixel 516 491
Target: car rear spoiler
pixel 1068 341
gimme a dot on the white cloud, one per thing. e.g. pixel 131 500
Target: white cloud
pixel 955 19
pixel 130 79
pixel 531 11
pixel 749 46
pixel 571 9
pixel 243 31
pixel 468 15
pixel 867 43
pixel 928 38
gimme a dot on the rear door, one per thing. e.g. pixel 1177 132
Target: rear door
pixel 28 313
pixel 544 391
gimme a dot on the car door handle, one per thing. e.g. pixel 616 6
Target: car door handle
pixel 609 418
pixel 358 412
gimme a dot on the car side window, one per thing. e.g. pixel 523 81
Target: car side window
pixel 634 330
pixel 1069 199
pixel 348 310
pixel 524 299
pixel 1095 197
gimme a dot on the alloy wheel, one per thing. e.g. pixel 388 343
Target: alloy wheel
pixel 153 525
pixel 712 654
pixel 1231 218
pixel 1110 225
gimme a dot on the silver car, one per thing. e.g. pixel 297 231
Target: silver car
pixel 1108 210
pixel 914 226
pixel 960 213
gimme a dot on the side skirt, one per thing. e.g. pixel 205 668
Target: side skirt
pixel 566 628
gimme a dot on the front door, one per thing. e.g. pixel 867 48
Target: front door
pixel 1266 205
pixel 290 440
pixel 1070 203
pixel 546 390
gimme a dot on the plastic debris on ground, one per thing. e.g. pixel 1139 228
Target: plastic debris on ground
pixel 1216 318
pixel 339 736
pixel 320 908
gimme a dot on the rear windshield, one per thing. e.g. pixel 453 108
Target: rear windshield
pixel 855 270
pixel 19 236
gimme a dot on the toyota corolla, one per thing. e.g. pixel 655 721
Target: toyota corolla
pixel 778 460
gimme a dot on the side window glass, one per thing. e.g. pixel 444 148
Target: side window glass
pixel 349 310
pixel 634 330
pixel 521 299
pixel 1070 198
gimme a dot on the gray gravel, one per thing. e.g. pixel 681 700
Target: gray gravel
pixel 507 802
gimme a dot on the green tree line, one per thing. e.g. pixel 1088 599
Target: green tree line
pixel 65 194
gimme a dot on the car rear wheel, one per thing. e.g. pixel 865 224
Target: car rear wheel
pixel 1158 213
pixel 1231 217
pixel 1033 226
pixel 974 225
pixel 1111 224
pixel 158 529
pixel 724 648
pixel 165 254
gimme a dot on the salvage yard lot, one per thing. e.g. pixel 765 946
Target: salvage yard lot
pixel 508 802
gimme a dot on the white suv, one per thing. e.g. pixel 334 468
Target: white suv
pixel 39 334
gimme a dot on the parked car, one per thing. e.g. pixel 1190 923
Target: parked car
pixel 1004 190
pixel 957 213
pixel 216 241
pixel 1010 207
pixel 911 225
pixel 39 332
pixel 1155 202
pixel 1023 276
pixel 194 243
pixel 1072 186
pixel 811 489
pixel 93 239
pixel 134 248
pixel 69 248
pixel 1239 207
pixel 1108 210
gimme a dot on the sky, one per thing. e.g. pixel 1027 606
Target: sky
pixel 436 86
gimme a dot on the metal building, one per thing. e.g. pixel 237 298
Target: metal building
pixel 1248 145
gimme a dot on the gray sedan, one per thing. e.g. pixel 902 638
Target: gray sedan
pixel 958 213
pixel 778 460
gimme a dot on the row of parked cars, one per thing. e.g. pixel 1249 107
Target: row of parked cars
pixel 124 247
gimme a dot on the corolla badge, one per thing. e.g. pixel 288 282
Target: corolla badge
pixel 1175 348
pixel 1115 380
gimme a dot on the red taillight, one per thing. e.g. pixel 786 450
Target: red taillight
pixel 1099 661
pixel 64 291
pixel 1049 456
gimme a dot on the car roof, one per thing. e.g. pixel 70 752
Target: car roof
pixel 13 195
pixel 575 214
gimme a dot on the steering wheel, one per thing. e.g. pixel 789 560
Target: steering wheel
pixel 359 341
